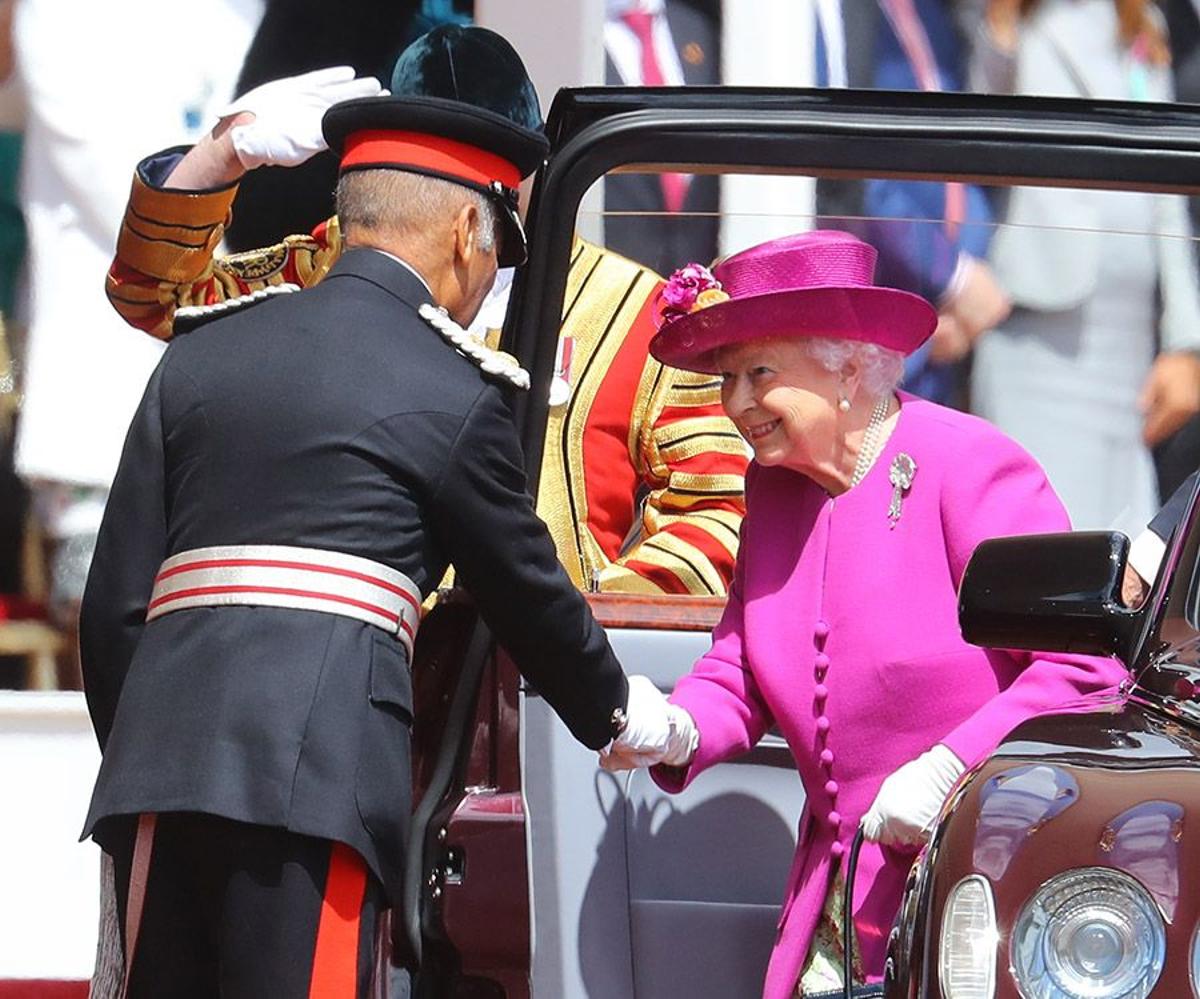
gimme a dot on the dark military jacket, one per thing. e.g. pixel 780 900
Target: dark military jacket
pixel 333 418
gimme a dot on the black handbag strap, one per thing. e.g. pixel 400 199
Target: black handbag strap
pixel 848 989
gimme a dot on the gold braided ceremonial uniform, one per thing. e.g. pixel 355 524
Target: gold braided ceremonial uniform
pixel 642 474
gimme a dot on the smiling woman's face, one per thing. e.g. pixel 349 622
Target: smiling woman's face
pixel 782 400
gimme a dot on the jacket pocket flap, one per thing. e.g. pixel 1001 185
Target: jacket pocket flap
pixel 391 682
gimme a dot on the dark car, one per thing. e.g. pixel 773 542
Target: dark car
pixel 534 873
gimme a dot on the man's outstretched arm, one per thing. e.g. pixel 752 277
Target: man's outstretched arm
pixel 181 199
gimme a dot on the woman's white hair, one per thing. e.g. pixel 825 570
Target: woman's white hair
pixel 881 368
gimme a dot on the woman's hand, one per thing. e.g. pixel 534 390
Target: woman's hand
pixel 909 800
pixel 657 731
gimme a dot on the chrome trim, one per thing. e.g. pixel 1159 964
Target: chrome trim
pixel 1194 961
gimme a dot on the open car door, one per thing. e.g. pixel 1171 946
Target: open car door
pixel 532 872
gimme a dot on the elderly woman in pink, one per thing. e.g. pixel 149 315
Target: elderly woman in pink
pixel 864 505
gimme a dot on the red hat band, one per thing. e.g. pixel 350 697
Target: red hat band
pixel 434 154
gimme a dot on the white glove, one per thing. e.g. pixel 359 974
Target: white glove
pixel 909 800
pixel 286 129
pixel 656 731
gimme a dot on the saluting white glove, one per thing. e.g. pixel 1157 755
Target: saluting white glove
pixel 909 799
pixel 656 731
pixel 286 129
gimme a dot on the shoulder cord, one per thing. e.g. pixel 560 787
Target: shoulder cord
pixel 492 362
pixel 211 311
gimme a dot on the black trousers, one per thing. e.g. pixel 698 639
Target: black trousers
pixel 241 911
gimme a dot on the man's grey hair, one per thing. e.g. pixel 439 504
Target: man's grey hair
pixel 880 367
pixel 409 204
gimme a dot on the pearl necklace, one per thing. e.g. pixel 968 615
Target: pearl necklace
pixel 869 449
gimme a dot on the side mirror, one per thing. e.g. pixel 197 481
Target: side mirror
pixel 1048 593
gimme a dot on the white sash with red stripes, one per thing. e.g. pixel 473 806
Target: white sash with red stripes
pixel 288 576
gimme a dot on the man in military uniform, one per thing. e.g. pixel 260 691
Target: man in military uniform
pixel 642 473
pixel 295 481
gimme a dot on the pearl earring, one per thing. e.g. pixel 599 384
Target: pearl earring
pixel 844 404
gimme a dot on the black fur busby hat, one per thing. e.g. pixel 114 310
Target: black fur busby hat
pixel 463 109
pixel 472 65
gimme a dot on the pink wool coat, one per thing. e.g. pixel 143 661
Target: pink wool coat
pixel 843 631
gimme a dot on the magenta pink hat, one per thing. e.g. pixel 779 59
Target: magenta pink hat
pixel 819 283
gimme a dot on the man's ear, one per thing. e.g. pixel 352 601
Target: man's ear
pixel 466 237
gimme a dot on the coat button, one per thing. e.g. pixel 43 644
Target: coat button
pixel 821 630
pixel 820 692
pixel 835 819
pixel 821 663
pixel 836 850
pixel 827 758
pixel 822 724
pixel 831 788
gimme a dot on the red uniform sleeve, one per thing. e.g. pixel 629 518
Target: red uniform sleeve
pixel 692 463
pixel 166 256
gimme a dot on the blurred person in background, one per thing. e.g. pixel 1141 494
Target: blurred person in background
pixel 932 237
pixel 1179 454
pixel 85 370
pixel 12 252
pixel 1097 362
pixel 673 216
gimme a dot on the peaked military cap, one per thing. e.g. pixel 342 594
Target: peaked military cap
pixel 463 109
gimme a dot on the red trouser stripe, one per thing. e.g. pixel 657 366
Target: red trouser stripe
pixel 139 878
pixel 335 957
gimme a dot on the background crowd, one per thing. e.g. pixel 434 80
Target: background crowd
pixel 1070 318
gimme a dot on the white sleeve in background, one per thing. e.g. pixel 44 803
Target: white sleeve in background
pixel 93 110
pixel 1146 554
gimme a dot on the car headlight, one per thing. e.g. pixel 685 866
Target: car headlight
pixel 967 952
pixel 1091 933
